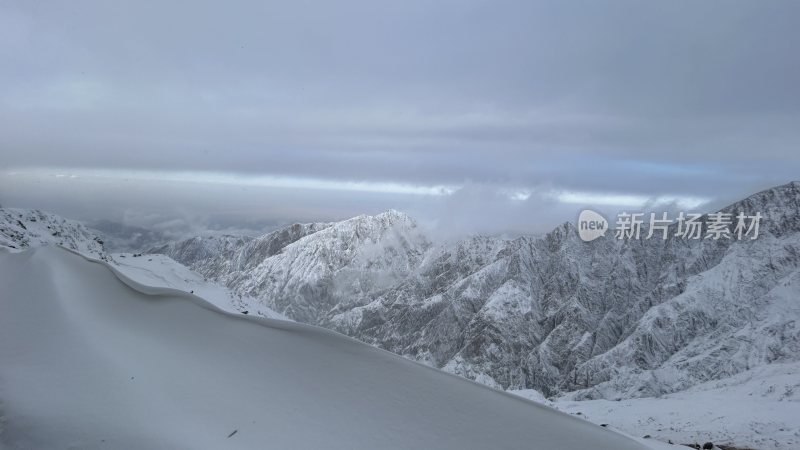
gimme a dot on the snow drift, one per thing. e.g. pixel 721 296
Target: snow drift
pixel 163 271
pixel 91 359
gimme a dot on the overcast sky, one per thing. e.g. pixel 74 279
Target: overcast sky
pixel 476 115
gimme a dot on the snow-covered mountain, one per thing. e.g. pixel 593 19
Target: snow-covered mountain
pixel 605 319
pixel 92 359
pixel 219 255
pixel 727 306
pixel 21 229
pixel 308 271
pixel 199 249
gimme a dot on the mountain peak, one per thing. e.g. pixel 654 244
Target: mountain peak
pixel 779 207
pixel 395 216
pixel 388 219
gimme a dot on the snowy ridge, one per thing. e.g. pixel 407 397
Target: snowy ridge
pixel 161 368
pixel 21 229
pixel 162 271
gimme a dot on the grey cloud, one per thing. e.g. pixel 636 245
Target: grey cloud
pixel 689 98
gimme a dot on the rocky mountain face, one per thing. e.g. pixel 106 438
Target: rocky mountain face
pixel 21 229
pixel 201 249
pixel 604 319
pixel 308 270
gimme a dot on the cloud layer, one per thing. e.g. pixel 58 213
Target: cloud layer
pixel 682 99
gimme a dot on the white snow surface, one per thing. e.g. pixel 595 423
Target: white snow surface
pixel 759 409
pixel 92 359
pixel 162 271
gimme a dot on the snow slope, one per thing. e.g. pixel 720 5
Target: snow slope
pixel 93 360
pixel 21 229
pixel 759 408
pixel 163 271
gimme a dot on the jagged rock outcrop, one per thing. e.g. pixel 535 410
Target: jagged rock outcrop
pixel 199 250
pixel 21 229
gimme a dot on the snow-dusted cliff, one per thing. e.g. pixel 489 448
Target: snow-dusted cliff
pixel 198 249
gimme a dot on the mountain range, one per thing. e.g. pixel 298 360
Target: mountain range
pixel 604 319
pixel 649 322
